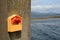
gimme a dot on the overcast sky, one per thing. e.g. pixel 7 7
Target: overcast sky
pixel 45 6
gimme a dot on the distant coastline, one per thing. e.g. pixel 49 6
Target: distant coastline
pixel 54 17
pixel 45 18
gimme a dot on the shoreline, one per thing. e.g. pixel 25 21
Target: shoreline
pixel 44 18
pixel 52 17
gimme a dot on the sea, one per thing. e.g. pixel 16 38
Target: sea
pixel 48 29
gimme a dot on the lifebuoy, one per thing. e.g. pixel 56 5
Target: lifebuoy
pixel 16 20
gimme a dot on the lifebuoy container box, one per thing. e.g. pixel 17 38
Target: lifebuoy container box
pixel 14 23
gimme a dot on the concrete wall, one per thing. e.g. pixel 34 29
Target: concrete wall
pixel 3 24
pixel 9 7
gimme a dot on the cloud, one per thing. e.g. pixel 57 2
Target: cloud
pixel 44 7
pixel 36 2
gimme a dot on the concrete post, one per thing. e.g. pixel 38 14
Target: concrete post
pixel 21 7
pixel 3 24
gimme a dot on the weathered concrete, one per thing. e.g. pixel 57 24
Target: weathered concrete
pixel 25 10
pixel 22 7
pixel 3 24
pixel 15 35
pixel 9 7
pixel 13 8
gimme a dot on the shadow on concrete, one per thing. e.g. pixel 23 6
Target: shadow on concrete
pixel 15 35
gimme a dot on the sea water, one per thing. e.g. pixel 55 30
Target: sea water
pixel 48 29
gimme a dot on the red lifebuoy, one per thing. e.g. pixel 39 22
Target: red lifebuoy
pixel 16 20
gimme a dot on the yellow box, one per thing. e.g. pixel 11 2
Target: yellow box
pixel 13 28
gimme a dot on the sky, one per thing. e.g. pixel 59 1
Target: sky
pixel 45 6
